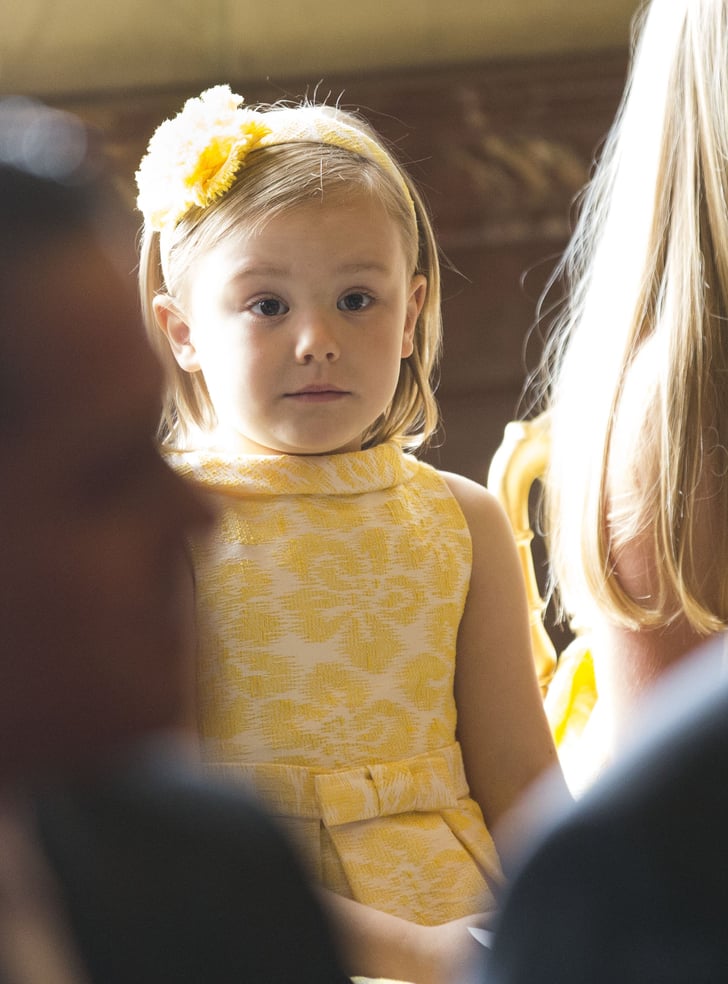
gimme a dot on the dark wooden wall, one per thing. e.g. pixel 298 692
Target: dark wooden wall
pixel 500 149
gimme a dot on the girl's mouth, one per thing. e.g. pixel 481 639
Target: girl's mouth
pixel 318 393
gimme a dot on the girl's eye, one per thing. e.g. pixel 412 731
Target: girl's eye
pixel 269 307
pixel 355 301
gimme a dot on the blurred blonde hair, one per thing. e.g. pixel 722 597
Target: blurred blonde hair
pixel 272 181
pixel 646 276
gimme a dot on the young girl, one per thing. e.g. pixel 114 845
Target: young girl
pixel 363 642
pixel 637 495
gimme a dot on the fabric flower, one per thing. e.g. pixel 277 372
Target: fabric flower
pixel 193 158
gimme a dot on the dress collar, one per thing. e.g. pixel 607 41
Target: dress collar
pixel 349 473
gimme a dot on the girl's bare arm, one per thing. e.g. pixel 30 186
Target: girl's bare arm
pixel 376 944
pixel 502 727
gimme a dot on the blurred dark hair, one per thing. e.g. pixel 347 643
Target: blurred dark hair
pixel 52 177
pixel 54 184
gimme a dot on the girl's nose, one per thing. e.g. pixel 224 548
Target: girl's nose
pixel 316 341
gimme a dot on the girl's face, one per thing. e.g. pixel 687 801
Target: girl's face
pixel 299 328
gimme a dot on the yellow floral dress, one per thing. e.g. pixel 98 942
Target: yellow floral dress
pixel 328 605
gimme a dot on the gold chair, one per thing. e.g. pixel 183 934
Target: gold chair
pixel 567 681
pixel 520 461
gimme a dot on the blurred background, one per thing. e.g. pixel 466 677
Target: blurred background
pixel 497 106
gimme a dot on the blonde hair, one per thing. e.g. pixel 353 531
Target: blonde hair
pixel 273 180
pixel 646 277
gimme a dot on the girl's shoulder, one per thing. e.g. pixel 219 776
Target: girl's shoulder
pixel 468 492
pixel 483 512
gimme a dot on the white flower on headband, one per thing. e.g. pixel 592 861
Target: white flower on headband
pixel 193 158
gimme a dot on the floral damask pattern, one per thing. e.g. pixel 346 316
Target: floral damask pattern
pixel 329 602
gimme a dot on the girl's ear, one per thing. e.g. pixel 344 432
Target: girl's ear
pixel 172 322
pixel 418 290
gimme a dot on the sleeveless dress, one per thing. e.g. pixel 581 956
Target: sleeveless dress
pixel 328 603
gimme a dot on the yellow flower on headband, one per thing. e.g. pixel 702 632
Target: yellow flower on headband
pixel 193 158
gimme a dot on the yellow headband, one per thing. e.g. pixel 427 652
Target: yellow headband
pixel 194 158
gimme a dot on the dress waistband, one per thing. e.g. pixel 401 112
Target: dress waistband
pixel 425 783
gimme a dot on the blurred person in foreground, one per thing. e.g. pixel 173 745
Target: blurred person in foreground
pixel 631 884
pixel 636 371
pixel 117 863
